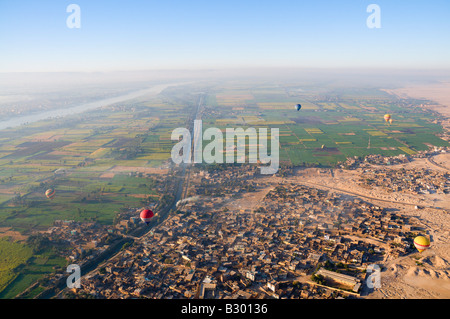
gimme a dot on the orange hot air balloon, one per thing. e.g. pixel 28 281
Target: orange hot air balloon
pixel 390 121
pixel 387 117
pixel 421 243
pixel 50 193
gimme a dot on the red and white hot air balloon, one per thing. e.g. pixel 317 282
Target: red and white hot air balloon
pixel 146 216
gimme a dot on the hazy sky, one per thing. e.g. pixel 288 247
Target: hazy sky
pixel 136 35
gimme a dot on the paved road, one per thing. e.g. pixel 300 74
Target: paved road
pixel 195 139
pixel 138 233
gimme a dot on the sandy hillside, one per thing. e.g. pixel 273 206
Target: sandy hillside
pixel 439 93
pixel 417 276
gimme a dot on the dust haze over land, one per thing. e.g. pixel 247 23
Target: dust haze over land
pixel 48 82
pixel 26 93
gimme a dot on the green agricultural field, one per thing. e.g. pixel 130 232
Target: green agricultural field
pixel 84 148
pixel 78 198
pixel 353 125
pixel 35 268
pixel 12 255
pixel 75 156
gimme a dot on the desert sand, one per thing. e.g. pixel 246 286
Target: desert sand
pixel 438 93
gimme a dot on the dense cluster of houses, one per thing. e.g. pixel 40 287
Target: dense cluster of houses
pixel 377 159
pixel 408 180
pixel 206 251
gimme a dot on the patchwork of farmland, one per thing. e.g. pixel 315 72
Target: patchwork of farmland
pixel 328 130
pixel 99 162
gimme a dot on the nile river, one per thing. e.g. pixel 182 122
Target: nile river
pixel 25 119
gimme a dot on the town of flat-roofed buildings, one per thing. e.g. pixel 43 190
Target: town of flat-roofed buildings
pixel 414 181
pixel 206 251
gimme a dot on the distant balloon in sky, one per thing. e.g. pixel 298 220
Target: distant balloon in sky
pixel 298 107
pixel 391 120
pixel 387 117
pixel 50 193
pixel 146 216
pixel 421 243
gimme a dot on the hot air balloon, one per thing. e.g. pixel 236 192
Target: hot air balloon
pixel 390 121
pixel 146 216
pixel 298 107
pixel 387 117
pixel 421 243
pixel 50 193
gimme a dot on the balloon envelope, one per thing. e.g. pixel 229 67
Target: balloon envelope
pixel 387 117
pixel 146 215
pixel 298 107
pixel 421 243
pixel 50 193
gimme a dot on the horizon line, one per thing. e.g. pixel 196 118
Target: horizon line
pixel 234 68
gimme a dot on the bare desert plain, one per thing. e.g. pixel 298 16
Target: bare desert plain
pixel 438 93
